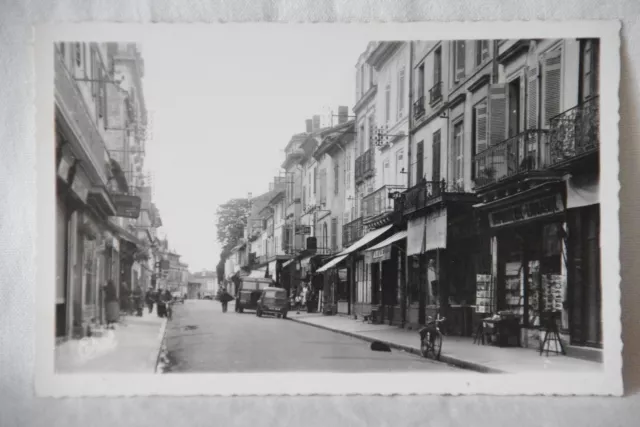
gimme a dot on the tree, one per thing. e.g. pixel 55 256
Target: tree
pixel 220 270
pixel 231 220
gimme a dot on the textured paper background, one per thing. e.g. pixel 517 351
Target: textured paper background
pixel 17 227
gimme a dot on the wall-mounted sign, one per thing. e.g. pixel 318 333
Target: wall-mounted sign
pixel 127 206
pixel 80 185
pixel 378 255
pixel 303 229
pixel 538 208
pixel 64 168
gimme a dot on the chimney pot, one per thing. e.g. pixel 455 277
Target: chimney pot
pixel 316 123
pixel 343 114
pixel 309 125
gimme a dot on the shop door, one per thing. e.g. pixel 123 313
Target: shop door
pixel 375 283
pixel 592 292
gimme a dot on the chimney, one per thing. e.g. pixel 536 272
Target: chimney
pixel 343 114
pixel 309 125
pixel 316 123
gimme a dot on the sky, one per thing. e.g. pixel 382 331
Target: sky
pixel 223 111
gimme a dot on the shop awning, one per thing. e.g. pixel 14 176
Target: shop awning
pixel 398 236
pixel 368 238
pixel 331 263
pixel 124 234
pixel 286 264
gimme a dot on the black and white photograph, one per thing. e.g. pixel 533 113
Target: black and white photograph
pixel 281 207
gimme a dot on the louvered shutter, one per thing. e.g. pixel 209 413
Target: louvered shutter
pixel 419 161
pixel 435 171
pixel 497 113
pixel 481 128
pixel 532 97
pixel 460 59
pixel 552 79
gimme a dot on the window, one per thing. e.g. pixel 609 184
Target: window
pixel 419 161
pixel 371 82
pixel 336 179
pixel 459 56
pixel 78 54
pixel 482 51
pixel 387 104
pixel 315 181
pixel 334 234
pixel 437 66
pixel 435 167
pixel 362 86
pixel 401 93
pixel 63 52
pixel 304 197
pixel 589 66
pixel 458 153
pixel 514 107
pixel 372 130
pixel 325 236
pixel 361 140
pixel 347 174
pixel 420 93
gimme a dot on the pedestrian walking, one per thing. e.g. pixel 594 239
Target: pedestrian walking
pixel 111 303
pixel 137 301
pixel 224 298
pixel 150 298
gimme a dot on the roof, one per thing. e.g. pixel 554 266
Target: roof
pixel 344 132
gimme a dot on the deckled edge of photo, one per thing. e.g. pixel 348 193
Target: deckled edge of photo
pixel 609 382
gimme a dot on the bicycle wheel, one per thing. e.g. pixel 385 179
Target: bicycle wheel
pixel 426 346
pixel 437 345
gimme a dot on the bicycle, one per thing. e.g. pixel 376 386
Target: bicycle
pixel 431 338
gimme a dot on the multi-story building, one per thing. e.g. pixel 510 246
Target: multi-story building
pixel 94 111
pixel 537 178
pixel 202 282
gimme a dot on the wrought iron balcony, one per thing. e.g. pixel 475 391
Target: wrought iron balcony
pixel 73 103
pixel 418 108
pixel 525 152
pixel 379 201
pixel 418 196
pixel 365 166
pixel 575 132
pixel 352 231
pixel 435 93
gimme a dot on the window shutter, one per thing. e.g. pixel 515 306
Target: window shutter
pixel 358 84
pixel 552 63
pixel 435 171
pixel 401 93
pixel 94 73
pixel 460 59
pixel 387 104
pixel 497 113
pixel 532 98
pixel 481 128
pixel 419 161
pixel 334 233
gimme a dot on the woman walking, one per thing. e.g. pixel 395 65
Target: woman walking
pixel 111 302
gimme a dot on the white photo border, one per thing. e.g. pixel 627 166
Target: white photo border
pixel 609 382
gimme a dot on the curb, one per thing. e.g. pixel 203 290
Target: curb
pixel 449 360
pixel 155 355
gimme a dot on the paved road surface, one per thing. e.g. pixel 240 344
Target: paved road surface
pixel 200 338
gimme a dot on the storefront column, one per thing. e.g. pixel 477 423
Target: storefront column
pixel 494 274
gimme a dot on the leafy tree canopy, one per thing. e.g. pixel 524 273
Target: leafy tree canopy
pixel 231 220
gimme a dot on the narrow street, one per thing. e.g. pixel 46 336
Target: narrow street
pixel 200 338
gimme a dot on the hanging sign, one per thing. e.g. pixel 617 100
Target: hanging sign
pixel 378 255
pixel 538 208
pixel 127 206
pixel 80 185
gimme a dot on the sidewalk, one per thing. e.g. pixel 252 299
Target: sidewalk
pixel 133 347
pixel 457 351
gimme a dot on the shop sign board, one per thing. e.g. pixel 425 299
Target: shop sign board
pixel 378 255
pixel 538 208
pixel 127 206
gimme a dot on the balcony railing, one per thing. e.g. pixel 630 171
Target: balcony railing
pixel 379 201
pixel 435 93
pixel 352 231
pixel 416 197
pixel 365 165
pixel 73 100
pixel 419 108
pixel 575 131
pixel 527 151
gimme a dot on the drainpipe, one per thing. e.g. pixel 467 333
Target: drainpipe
pixel 403 307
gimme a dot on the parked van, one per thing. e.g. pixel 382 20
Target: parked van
pixel 250 291
pixel 273 301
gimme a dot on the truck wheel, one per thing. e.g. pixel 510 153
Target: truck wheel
pixel 258 313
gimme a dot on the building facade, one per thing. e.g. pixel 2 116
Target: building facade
pixel 98 209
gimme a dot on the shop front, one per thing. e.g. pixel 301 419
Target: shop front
pixel 529 261
pixel 334 285
pixel 386 282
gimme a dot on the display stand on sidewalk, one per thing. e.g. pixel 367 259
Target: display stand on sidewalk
pixel 551 333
